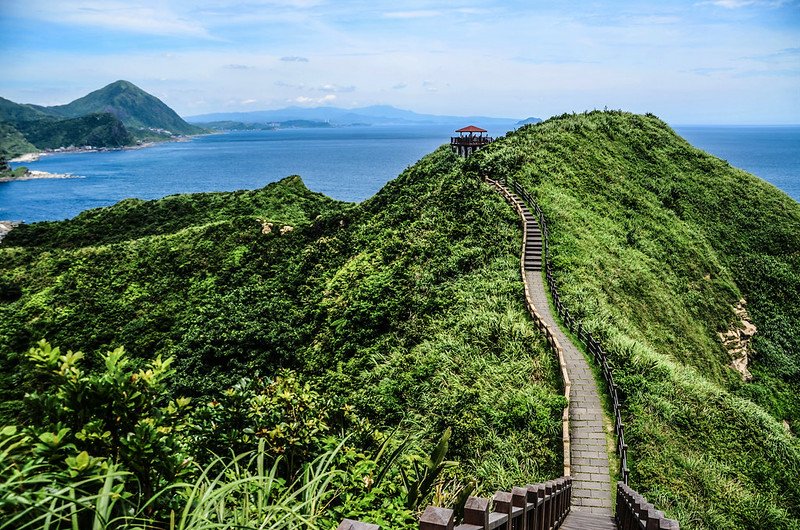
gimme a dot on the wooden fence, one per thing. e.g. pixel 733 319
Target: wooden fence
pixel 593 346
pixel 545 506
pixel 633 512
pixel 534 507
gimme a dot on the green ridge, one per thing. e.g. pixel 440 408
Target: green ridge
pixel 408 306
pixel 653 243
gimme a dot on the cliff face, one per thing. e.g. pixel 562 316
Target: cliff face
pixel 738 338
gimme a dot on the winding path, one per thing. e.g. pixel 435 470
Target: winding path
pixel 588 462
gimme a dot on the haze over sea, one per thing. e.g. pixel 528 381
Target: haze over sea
pixel 349 163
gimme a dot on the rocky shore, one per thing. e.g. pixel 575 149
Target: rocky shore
pixel 33 175
pixel 6 227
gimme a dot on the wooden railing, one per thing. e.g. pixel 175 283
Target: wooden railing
pixel 633 512
pixel 534 507
pixel 542 325
pixel 545 506
pixel 593 346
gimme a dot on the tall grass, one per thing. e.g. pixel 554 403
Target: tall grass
pixel 236 491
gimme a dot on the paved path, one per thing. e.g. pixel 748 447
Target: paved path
pixel 590 470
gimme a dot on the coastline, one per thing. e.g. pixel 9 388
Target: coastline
pixel 35 175
pixel 33 157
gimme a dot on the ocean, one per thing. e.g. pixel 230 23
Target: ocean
pixel 350 164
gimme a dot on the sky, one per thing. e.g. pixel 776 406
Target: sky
pixel 689 62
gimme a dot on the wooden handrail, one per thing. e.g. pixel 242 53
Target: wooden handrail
pixel 633 512
pixel 545 506
pixel 593 346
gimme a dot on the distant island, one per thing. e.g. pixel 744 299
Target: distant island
pixel 339 117
pixel 228 125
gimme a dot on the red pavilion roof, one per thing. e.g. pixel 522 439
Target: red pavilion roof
pixel 471 129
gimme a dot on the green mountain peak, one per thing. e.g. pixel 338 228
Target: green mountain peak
pixel 133 106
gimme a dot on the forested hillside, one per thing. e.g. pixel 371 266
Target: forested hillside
pixel 406 309
pixel 117 115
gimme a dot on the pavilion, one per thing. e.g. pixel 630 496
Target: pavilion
pixel 469 140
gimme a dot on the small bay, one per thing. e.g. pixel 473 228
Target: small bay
pixel 348 163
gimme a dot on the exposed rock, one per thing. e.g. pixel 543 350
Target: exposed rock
pixel 6 227
pixel 285 229
pixel 266 228
pixel 787 427
pixel 737 340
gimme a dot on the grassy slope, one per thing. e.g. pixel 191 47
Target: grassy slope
pixel 653 243
pixel 407 306
pixel 13 143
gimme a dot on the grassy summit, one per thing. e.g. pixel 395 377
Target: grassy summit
pixel 408 307
pixel 654 243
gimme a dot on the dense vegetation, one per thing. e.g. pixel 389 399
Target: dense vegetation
pixel 403 315
pixel 654 242
pixel 404 312
pixel 97 130
pixel 13 142
pixel 117 115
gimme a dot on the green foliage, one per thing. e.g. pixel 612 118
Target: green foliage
pixel 653 244
pixel 287 202
pixel 287 416
pixel 408 307
pixel 97 130
pixel 13 142
pixel 119 414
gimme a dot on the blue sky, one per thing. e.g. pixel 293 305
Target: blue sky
pixel 705 61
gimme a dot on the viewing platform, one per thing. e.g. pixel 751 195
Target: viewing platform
pixel 469 140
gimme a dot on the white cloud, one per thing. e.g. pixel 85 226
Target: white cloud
pixel 336 88
pixel 136 16
pixel 294 59
pixel 305 100
pixel 738 4
pixel 420 13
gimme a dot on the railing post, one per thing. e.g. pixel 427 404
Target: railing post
pixel 476 512
pixel 549 511
pixel 435 518
pixel 519 499
pixel 503 504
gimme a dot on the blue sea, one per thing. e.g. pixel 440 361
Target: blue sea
pixel 350 164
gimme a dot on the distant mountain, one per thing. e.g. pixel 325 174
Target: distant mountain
pixel 117 115
pixel 527 121
pixel 131 105
pixel 373 115
pixel 267 126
